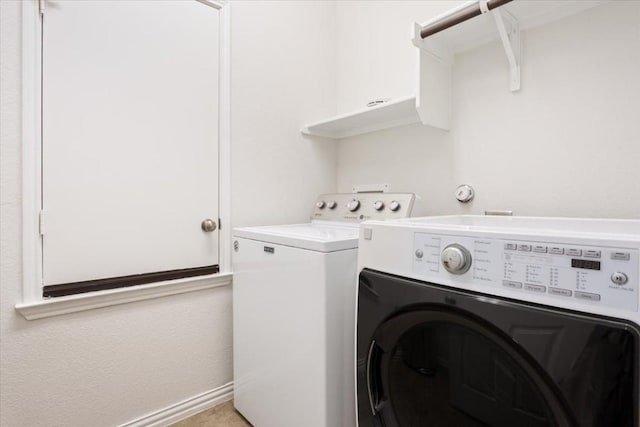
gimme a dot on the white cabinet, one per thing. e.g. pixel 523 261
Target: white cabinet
pixel 129 138
pixel 432 103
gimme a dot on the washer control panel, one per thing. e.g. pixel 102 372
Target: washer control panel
pixel 357 207
pixel 586 274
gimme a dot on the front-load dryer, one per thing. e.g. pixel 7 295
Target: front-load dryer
pixel 293 320
pixel 498 321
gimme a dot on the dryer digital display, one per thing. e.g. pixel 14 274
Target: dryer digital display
pixel 586 264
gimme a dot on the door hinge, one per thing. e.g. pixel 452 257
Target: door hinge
pixel 41 222
pixel 41 6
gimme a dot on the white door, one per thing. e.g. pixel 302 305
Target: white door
pixel 130 137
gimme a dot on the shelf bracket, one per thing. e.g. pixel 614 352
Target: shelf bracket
pixel 509 30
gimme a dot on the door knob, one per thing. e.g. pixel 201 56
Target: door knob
pixel 208 225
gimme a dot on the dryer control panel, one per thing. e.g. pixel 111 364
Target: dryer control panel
pixel 358 207
pixel 585 274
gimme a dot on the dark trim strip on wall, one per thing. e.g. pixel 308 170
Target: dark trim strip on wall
pixel 462 15
pixel 74 288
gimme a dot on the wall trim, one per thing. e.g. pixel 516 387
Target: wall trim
pixel 184 409
pixel 31 151
pixel 92 300
pixel 224 139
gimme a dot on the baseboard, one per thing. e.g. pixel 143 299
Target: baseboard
pixel 184 409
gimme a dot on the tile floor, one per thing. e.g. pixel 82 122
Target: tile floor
pixel 223 415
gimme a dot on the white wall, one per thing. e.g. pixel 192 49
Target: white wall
pixel 375 56
pixel 99 367
pixel 565 145
pixel 112 365
pixel 283 76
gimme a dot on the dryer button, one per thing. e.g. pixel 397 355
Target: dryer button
pixel 587 296
pixel 619 278
pixel 558 291
pixel 511 284
pixel 623 256
pixel 534 288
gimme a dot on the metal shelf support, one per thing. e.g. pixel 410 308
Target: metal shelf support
pixel 509 30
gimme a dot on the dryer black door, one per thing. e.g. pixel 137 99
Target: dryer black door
pixel 432 356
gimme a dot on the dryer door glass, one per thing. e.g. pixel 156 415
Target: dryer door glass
pixel 444 369
pixel 433 356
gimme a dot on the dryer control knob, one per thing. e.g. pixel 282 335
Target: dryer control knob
pixel 320 204
pixel 456 259
pixel 394 205
pixel 332 204
pixel 353 205
pixel 378 205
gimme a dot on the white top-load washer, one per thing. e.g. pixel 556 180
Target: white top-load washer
pixel 293 319
pixel 500 321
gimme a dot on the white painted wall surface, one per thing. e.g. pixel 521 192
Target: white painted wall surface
pixel 413 158
pixel 283 76
pixel 565 145
pixel 101 367
pixel 109 366
pixel 112 365
pixel 376 58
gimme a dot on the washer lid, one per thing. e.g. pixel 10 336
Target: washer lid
pixel 315 237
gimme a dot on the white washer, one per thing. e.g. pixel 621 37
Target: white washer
pixel 293 299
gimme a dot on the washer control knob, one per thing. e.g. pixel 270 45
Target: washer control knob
pixel 332 204
pixel 456 259
pixel 320 204
pixel 619 278
pixel 394 205
pixel 378 205
pixel 353 205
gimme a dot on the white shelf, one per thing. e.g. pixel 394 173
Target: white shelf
pixel 432 103
pixel 394 113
